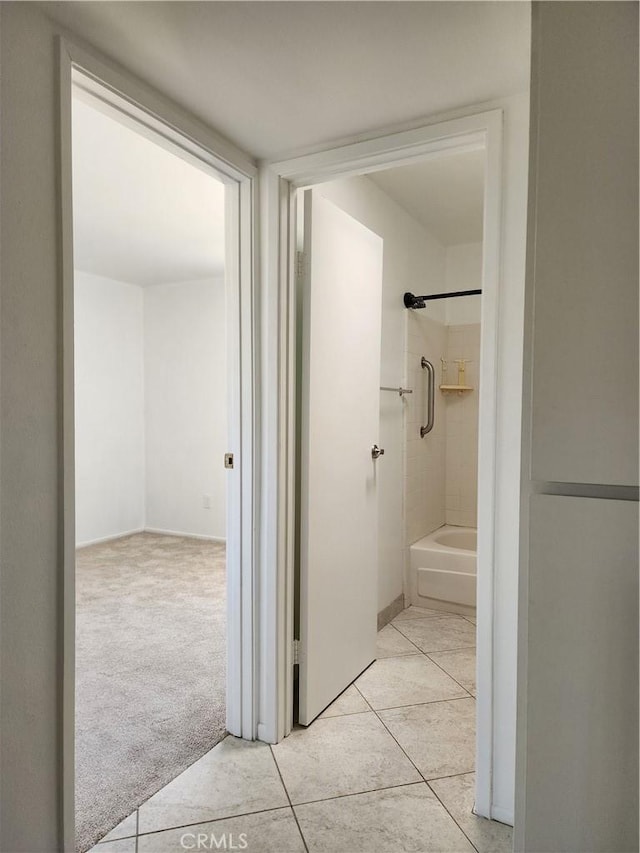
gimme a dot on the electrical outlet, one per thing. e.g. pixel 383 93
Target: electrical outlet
pixel 206 501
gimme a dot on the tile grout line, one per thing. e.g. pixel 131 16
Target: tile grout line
pixel 406 638
pixel 433 651
pixel 435 794
pixel 441 614
pixel 137 828
pixel 294 806
pixel 395 620
pixel 437 652
pixel 293 811
pixel 420 773
pixel 422 651
pixel 427 656
pixel 414 704
pixel 461 686
pixel 208 820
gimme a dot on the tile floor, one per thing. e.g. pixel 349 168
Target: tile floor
pixel 387 768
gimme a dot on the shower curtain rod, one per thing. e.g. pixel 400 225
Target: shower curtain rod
pixel 411 301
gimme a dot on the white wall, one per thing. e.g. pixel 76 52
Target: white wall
pixel 412 260
pixel 464 272
pixel 31 717
pixel 109 408
pixel 577 769
pixel 185 407
pixel 151 408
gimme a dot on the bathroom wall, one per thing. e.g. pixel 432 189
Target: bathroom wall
pixel 463 272
pixel 461 414
pixel 413 259
pixel 441 480
pixel 441 476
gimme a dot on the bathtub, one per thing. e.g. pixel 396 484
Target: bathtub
pixel 443 570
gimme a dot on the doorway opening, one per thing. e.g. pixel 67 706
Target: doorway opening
pixel 389 395
pixel 481 134
pixel 387 461
pixel 152 470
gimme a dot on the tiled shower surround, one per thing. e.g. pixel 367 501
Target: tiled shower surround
pixel 441 469
pixel 461 466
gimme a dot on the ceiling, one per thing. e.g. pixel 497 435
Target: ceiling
pixel 141 213
pixel 445 194
pixel 281 77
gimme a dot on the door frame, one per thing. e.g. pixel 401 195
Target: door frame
pixel 280 181
pixel 152 114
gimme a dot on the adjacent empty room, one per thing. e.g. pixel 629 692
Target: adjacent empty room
pixel 151 431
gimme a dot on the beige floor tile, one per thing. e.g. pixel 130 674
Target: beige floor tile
pixel 413 612
pixel 408 819
pixel 266 832
pixel 471 619
pixel 460 665
pixel 392 643
pixel 443 634
pixel 348 702
pixel 121 845
pixel 125 829
pixel 457 794
pixel 235 777
pixel 439 738
pixel 409 680
pixel 341 755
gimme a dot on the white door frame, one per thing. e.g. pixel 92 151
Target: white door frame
pixel 279 182
pixel 138 104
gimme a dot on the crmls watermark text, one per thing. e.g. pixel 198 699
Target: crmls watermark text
pixel 211 841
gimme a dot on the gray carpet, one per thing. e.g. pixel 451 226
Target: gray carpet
pixel 150 670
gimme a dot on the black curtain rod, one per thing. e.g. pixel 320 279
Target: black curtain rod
pixel 411 301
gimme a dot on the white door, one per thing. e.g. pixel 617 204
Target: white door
pixel 340 413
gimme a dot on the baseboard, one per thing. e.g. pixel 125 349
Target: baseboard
pixel 390 611
pixel 111 538
pixel 161 532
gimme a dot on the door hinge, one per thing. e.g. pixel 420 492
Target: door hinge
pixel 296 652
pixel 299 264
pixel 228 460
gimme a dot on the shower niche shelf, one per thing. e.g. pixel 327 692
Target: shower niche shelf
pixel 459 388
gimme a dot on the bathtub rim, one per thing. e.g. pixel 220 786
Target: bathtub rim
pixel 434 545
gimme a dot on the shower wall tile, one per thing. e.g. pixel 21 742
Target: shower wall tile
pixel 425 465
pixel 441 469
pixel 461 478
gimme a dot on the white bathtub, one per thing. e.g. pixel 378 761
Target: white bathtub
pixel 443 569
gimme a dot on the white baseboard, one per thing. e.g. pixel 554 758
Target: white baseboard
pixel 156 530
pixel 183 535
pixel 110 538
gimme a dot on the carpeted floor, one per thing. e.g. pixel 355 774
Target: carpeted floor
pixel 150 670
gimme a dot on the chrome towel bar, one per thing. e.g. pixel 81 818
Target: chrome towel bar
pixel 400 391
